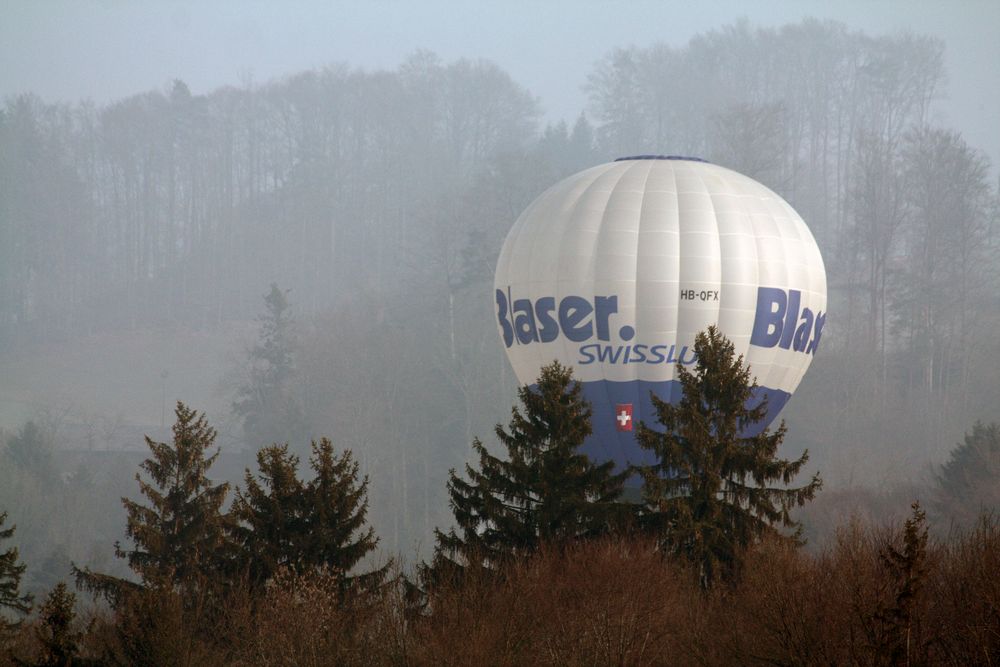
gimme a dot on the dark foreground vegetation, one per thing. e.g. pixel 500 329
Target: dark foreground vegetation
pixel 877 596
pixel 546 564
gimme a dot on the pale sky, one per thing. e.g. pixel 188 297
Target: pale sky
pixel 65 50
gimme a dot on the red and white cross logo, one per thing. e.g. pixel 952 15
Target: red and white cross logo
pixel 623 417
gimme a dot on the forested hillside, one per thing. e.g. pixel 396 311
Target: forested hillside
pixel 376 202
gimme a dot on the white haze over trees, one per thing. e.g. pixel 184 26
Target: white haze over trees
pixel 150 198
pixel 106 50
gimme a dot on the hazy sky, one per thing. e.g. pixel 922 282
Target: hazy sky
pixel 107 50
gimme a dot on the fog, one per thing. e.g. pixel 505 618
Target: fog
pixel 163 165
pixel 104 51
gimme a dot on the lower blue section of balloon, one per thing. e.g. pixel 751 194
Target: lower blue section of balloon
pixel 608 443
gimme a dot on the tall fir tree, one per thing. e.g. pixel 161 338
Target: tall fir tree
pixel 546 491
pixel 339 537
pixel 305 526
pixel 31 450
pixel 264 402
pixel 180 537
pixel 969 482
pixel 270 512
pixel 57 636
pixel 896 632
pixel 708 496
pixel 11 599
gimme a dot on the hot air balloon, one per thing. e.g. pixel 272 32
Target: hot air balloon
pixel 614 270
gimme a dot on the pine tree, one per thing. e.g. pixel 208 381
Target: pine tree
pixel 707 497
pixel 546 491
pixel 305 527
pixel 31 451
pixel 336 524
pixel 264 402
pixel 180 536
pixel 59 640
pixel 10 581
pixel 969 482
pixel 271 510
pixel 900 641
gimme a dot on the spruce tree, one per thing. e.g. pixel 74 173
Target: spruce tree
pixel 897 634
pixel 179 538
pixel 708 497
pixel 264 402
pixel 271 513
pixel 31 450
pixel 545 491
pixel 305 526
pixel 59 640
pixel 969 482
pixel 10 581
pixel 336 524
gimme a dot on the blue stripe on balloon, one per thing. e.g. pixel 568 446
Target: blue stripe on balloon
pixel 609 444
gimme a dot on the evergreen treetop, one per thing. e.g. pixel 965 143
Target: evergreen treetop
pixel 264 401
pixel 907 569
pixel 968 482
pixel 31 451
pixel 709 495
pixel 339 536
pixel 546 490
pixel 10 581
pixel 179 538
pixel 60 641
pixel 271 510
pixel 305 526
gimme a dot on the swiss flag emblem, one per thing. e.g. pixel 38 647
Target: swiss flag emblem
pixel 623 416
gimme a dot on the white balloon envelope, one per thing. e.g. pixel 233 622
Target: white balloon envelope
pixel 614 270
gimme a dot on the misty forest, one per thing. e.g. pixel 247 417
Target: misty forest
pixel 295 275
